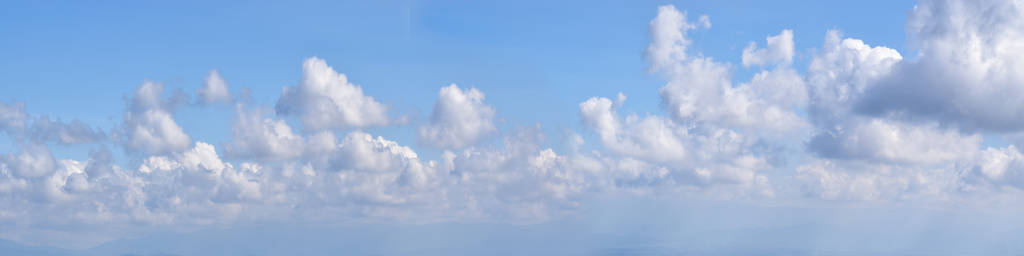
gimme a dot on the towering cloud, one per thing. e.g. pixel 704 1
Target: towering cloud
pixel 700 90
pixel 257 137
pixel 969 74
pixel 324 99
pixel 148 123
pixel 460 118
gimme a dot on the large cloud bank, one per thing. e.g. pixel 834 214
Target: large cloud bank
pixel 861 123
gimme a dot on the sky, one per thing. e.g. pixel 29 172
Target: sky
pixel 607 127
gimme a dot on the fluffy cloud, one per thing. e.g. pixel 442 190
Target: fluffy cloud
pixel 325 99
pixel 199 176
pixel 861 123
pixel 148 123
pixel 668 37
pixel 215 89
pixel 782 87
pixel 690 155
pixel 839 75
pixel 893 128
pixel 652 137
pixel 779 50
pixel 700 90
pixel 837 78
pixel 256 137
pixel 968 74
pixel 460 118
pixel 33 161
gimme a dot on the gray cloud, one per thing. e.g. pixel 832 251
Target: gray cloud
pixel 968 74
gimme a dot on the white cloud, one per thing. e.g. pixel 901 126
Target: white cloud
pixel 853 127
pixel 867 181
pixel 700 90
pixel 839 75
pixel 256 137
pixel 325 99
pixel 782 87
pixel 884 157
pixel 74 132
pixel 837 78
pixel 460 118
pixel 693 155
pixel 148 123
pixel 778 50
pixel 668 38
pixel 520 180
pixel 997 168
pixel 382 171
pixel 361 151
pixel 214 89
pixel 651 137
pixel 197 176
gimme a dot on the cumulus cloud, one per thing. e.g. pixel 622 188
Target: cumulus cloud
pixel 860 123
pixel 692 155
pixel 839 75
pixel 782 87
pixel 149 125
pixel 699 89
pixel 778 50
pixel 837 78
pixel 214 89
pixel 257 137
pixel 651 137
pixel 898 155
pixel 33 161
pixel 460 118
pixel 668 37
pixel 325 99
pixel 968 73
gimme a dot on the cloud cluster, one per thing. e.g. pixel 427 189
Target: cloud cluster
pixel 861 123
pixel 969 71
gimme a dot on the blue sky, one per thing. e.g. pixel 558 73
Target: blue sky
pixel 132 121
pixel 556 54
